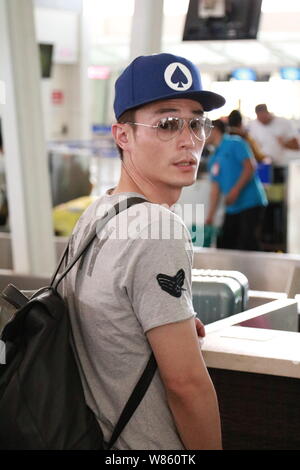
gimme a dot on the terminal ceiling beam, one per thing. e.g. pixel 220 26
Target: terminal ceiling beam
pixel 24 144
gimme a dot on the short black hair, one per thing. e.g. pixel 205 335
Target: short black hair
pixel 235 118
pixel 261 107
pixel 220 125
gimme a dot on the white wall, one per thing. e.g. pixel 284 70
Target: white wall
pixel 61 27
pixel 62 120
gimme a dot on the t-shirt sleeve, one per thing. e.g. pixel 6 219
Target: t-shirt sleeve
pixel 159 280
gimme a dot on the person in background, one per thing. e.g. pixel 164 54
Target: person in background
pixel 277 139
pixel 236 127
pixel 232 170
pixel 133 292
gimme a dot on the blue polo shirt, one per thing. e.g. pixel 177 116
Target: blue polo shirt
pixel 225 167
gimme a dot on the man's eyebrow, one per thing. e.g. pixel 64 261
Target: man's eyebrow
pixel 197 112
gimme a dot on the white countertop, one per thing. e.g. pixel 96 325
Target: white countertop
pixel 248 349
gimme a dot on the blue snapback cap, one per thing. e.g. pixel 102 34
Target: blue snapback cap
pixel 160 77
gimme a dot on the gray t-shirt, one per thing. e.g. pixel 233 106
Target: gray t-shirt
pixel 135 277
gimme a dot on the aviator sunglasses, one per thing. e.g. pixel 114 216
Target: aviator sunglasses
pixel 167 128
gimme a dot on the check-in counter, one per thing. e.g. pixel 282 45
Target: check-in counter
pixel 255 367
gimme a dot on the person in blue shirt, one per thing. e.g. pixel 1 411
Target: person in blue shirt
pixel 232 170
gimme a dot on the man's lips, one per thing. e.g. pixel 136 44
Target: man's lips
pixel 186 163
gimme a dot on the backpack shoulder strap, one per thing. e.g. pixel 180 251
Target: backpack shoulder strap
pixel 134 399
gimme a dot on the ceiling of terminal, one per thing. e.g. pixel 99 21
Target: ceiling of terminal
pixel 266 54
pixel 277 44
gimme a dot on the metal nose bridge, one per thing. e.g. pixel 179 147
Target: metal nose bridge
pixel 186 123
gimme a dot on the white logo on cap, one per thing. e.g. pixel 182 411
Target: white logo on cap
pixel 178 77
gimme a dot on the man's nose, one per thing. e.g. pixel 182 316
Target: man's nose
pixel 187 135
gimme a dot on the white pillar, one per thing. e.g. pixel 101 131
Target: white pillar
pixel 80 111
pixel 84 82
pixel 24 144
pixel 146 31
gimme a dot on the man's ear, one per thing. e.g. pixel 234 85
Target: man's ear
pixel 120 135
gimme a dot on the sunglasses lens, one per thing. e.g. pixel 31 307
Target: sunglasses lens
pixel 201 128
pixel 168 128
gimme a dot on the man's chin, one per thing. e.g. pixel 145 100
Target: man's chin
pixel 189 182
pixel 181 186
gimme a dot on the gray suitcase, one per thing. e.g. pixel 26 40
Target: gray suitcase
pixel 218 293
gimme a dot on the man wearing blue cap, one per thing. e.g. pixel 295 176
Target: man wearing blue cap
pixel 133 292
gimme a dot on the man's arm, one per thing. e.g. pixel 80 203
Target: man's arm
pixel 190 393
pixel 213 202
pixel 292 143
pixel 246 175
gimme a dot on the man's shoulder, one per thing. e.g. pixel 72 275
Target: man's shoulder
pixel 144 221
pixel 152 214
pixel 279 121
pixel 234 141
pixel 145 213
pixel 234 138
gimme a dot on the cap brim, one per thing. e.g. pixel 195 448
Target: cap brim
pixel 208 99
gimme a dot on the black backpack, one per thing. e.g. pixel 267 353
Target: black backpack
pixel 42 403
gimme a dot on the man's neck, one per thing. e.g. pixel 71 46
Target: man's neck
pixel 152 193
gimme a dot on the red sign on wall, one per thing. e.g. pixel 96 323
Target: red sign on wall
pixel 57 97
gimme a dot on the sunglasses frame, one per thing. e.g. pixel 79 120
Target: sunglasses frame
pixel 207 124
